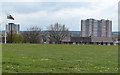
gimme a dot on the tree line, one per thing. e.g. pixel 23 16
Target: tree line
pixel 56 33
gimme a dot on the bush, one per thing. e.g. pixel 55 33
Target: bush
pixel 16 38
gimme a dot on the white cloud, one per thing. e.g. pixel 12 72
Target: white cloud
pixel 107 1
pixel 98 9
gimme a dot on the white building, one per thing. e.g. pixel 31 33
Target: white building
pixel 14 27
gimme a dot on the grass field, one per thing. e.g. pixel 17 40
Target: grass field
pixel 39 58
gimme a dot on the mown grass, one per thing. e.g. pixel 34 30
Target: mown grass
pixel 41 58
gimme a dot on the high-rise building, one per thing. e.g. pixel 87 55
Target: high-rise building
pixel 96 28
pixel 14 27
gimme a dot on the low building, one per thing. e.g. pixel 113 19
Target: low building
pixel 88 40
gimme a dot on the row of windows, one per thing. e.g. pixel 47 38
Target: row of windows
pixel 95 28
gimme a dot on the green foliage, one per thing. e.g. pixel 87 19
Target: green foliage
pixel 16 38
pixel 42 58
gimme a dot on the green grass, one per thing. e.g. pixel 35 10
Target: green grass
pixel 40 58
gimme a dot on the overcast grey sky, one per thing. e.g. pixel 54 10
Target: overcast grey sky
pixel 70 13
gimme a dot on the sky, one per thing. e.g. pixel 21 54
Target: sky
pixel 70 12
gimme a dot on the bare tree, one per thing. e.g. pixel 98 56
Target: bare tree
pixel 58 32
pixel 32 35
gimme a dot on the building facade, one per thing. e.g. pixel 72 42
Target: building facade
pixel 15 28
pixel 96 28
